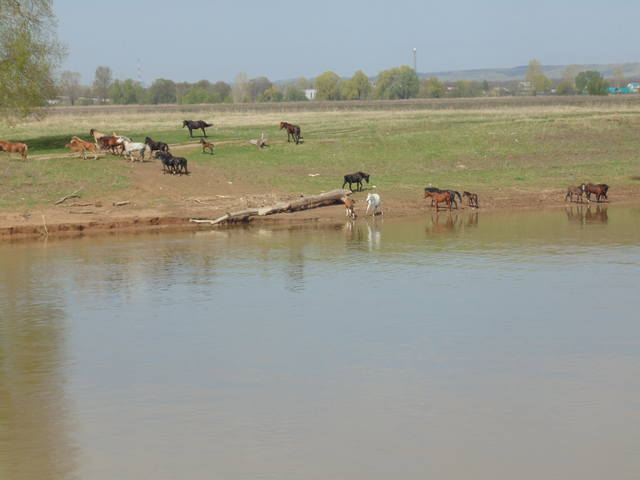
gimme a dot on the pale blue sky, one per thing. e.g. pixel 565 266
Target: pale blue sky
pixel 191 40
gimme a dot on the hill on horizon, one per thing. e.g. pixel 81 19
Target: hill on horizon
pixel 554 72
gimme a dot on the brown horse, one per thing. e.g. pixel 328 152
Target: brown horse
pixel 293 131
pixel 600 190
pixel 78 145
pixel 17 147
pixel 206 145
pixel 571 191
pixel 472 199
pixel 438 198
pixel 111 143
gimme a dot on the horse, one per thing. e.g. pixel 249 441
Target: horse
pixel 374 200
pixel 96 135
pixel 132 147
pixel 17 147
pixel 600 190
pixel 473 199
pixel 156 146
pixel 349 205
pixel 452 193
pixel 571 191
pixel 111 143
pixel 355 178
pixel 439 197
pixel 195 125
pixel 78 145
pixel 293 131
pixel 206 145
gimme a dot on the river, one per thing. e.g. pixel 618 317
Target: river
pixel 482 345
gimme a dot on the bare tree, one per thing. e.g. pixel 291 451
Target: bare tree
pixel 69 85
pixel 102 83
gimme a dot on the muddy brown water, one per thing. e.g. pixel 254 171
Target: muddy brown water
pixel 485 346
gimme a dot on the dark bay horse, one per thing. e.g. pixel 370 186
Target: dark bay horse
pixel 293 131
pixel 195 125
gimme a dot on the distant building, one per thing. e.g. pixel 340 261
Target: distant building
pixel 634 86
pixel 310 93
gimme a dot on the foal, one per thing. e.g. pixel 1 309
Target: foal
pixel 349 205
pixel 473 199
pixel 206 145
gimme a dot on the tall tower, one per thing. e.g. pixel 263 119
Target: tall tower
pixel 139 71
pixel 415 60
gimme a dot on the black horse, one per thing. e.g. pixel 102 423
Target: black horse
pixel 198 124
pixel 355 178
pixel 156 146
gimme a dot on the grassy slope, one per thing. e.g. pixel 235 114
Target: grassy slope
pixel 476 150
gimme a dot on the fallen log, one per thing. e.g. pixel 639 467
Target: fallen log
pixel 71 195
pixel 303 203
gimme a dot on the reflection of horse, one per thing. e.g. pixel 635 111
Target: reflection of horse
pixel 450 224
pixel 472 220
pixel 599 216
pixel 582 215
pixel 374 237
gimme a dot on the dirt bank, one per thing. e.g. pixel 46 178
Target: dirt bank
pixel 86 216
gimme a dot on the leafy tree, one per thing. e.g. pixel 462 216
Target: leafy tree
pixel 271 95
pixel 431 88
pixel 357 87
pixel 162 91
pixel 591 82
pixel 397 83
pixel 327 86
pixel 567 86
pixel 220 92
pixel 127 92
pixel 102 83
pixel 292 93
pixel 257 86
pixel 536 77
pixel 195 95
pixel 29 52
pixel 69 85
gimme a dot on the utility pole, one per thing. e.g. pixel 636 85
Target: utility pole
pixel 415 61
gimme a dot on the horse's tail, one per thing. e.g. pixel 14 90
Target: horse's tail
pixel 459 197
pixel 25 151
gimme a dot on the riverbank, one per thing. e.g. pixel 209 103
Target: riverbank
pixel 513 156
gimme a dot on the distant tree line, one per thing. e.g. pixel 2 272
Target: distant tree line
pixel 394 83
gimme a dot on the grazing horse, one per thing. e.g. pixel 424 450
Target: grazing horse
pixel 374 201
pixel 571 191
pixel 439 197
pixel 355 178
pixel 293 131
pixel 349 205
pixel 472 199
pixel 600 190
pixel 206 145
pixel 17 147
pixel 195 125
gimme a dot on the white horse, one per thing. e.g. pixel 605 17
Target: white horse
pixel 132 147
pixel 374 201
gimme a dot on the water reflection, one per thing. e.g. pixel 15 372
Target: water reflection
pixel 582 215
pixel 34 425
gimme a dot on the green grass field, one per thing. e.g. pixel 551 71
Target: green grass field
pixel 476 149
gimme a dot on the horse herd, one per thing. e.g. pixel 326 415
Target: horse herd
pixel 122 145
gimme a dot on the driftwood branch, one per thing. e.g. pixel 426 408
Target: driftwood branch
pixel 71 195
pixel 303 203
pixel 120 204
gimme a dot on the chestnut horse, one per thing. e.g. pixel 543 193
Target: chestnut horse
pixel 438 198
pixel 11 147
